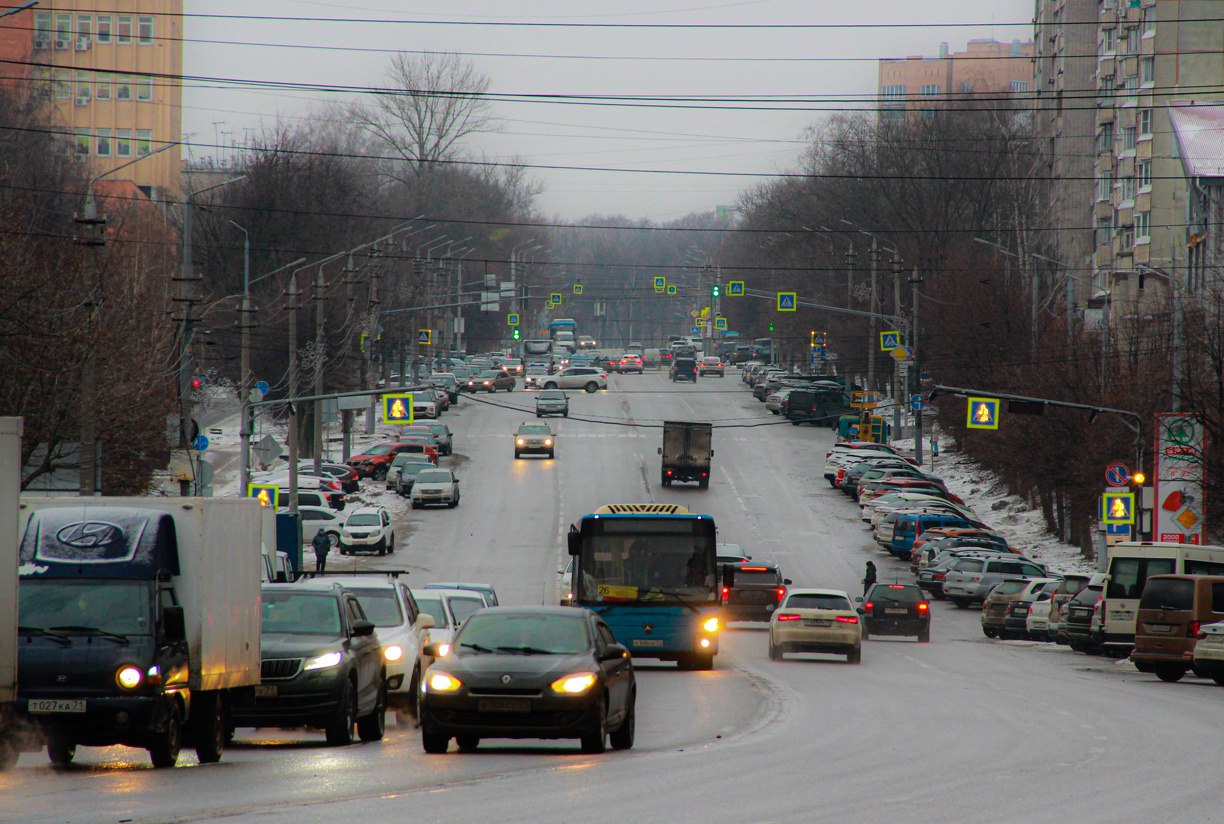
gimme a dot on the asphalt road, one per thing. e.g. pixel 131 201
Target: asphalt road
pixel 961 729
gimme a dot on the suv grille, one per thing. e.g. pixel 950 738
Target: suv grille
pixel 272 669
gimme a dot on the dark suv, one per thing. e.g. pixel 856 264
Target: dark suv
pixel 321 664
pixel 684 369
pixel 755 592
pixel 896 609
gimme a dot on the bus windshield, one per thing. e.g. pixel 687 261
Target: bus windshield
pixel 647 560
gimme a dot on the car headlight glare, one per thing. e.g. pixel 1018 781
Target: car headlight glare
pixel 575 684
pixel 548 441
pixel 128 677
pixel 710 625
pixel 393 653
pixel 443 682
pixel 325 661
pixel 520 442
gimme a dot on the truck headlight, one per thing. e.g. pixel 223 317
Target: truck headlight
pixel 128 677
pixel 710 625
pixel 325 661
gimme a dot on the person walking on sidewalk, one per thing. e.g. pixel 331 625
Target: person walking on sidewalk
pixel 322 545
pixel 869 577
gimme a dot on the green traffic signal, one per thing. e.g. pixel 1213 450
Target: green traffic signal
pixel 715 290
pixel 771 326
pixel 516 334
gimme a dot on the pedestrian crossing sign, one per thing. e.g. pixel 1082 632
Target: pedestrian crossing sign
pixel 397 409
pixel 889 340
pixel 577 288
pixel 660 283
pixel 512 319
pixel 983 413
pixel 548 305
pixel 671 289
pixel 720 324
pixel 555 297
pixel 268 495
pixel 787 301
pixel 425 336
pixel 735 288
pixel 1118 508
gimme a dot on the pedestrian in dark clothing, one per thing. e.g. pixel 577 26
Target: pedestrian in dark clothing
pixel 322 545
pixel 869 577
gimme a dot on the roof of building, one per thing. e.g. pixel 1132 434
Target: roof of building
pixel 1200 138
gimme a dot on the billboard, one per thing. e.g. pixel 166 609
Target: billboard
pixel 1181 440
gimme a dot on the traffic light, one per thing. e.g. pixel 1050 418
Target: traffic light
pixel 771 326
pixel 715 290
pixel 198 381
pixel 516 333
pixel 812 341
pixel 1137 479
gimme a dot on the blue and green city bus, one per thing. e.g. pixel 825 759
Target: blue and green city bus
pixel 649 571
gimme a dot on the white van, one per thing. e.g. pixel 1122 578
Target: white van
pixel 1131 563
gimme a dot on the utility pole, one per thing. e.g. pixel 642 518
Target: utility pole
pixel 91 233
pixel 896 267
pixel 873 309
pixel 244 367
pixel 292 308
pixel 915 279
pixel 320 343
pixel 372 335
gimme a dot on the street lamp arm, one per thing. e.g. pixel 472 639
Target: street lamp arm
pixel 91 209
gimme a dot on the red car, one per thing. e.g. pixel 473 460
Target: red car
pixel 374 462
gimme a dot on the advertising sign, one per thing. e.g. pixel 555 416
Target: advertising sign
pixel 1181 441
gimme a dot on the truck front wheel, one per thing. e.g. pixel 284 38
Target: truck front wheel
pixel 166 745
pixel 60 752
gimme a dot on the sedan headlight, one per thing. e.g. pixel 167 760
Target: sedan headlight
pixel 575 684
pixel 393 652
pixel 443 682
pixel 325 661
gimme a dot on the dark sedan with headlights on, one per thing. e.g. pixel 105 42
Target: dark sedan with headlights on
pixel 529 672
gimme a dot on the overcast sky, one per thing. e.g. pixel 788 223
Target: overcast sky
pixel 730 61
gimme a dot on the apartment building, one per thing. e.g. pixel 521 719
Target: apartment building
pixel 985 67
pixel 113 72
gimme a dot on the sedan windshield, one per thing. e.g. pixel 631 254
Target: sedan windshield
pixel 549 635
pixel 434 476
pixel 300 613
pixel 552 395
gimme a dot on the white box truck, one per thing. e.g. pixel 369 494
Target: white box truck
pixel 10 491
pixel 139 622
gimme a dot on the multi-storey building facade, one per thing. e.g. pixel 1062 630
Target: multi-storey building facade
pixel 986 67
pixel 113 72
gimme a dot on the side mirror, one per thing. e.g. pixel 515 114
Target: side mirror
pixel 787 581
pixel 574 542
pixel 362 629
pixel 728 576
pixel 858 600
pixel 174 625
pixel 425 621
pixel 614 652
pixel 660 450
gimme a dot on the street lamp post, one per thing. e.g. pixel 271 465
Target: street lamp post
pixel 1178 322
pixel 244 359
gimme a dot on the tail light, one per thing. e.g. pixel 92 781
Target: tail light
pixel 790 616
pixel 923 607
pixel 726 593
pixel 669 472
pixel 781 593
pixel 939 576
pixel 868 607
pixel 1193 629
pixel 703 474
pixel 846 619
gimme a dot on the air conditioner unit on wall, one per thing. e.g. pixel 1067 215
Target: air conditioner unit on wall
pixel 82 100
pixel 42 43
pixel 83 43
pixel 61 44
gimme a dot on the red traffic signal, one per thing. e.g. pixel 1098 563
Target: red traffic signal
pixel 198 381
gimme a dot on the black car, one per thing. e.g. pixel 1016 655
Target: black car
pixel 1079 628
pixel 684 369
pixel 755 592
pixel 321 664
pixel 529 672
pixel 896 609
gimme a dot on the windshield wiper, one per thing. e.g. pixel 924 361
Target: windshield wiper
pixel 94 631
pixel 476 647
pixel 527 650
pixel 679 596
pixel 64 639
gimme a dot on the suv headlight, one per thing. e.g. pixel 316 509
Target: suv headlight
pixel 324 661
pixel 394 652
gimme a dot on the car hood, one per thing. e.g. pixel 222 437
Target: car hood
pixel 292 645
pixel 438 486
pixel 525 671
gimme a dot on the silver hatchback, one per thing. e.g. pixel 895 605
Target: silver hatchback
pixel 972 579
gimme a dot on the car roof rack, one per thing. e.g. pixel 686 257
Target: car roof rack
pixel 390 573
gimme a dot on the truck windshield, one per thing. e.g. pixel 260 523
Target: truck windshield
pixel 647 560
pixel 120 607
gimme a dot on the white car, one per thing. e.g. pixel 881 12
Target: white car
pixel 566 594
pixel 1209 652
pixel 403 629
pixel 578 377
pixel 435 486
pixel 816 620
pixel 422 408
pixel 449 608
pixel 315 518
pixel 367 529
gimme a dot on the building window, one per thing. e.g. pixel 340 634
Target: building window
pixel 894 92
pixel 1147 70
pixel 1143 172
pixel 144 142
pixel 1104 232
pixel 1149 22
pixel 123 87
pixel 1126 189
pixel 966 87
pixel 144 88
pixel 104 143
pixel 84 28
pixel 1130 85
pixel 1109 40
pixel 1145 122
pixel 82 85
pixel 82 144
pixel 1018 86
pixel 104 29
pixel 1126 237
pixel 63 31
pixel 1105 138
pixel 930 90
pixel 1143 227
pixel 1104 186
pixel 1128 138
pixel 102 86
pixel 42 27
pixel 123 142
pixel 124 30
pixel 1132 40
pixel 63 84
pixel 145 31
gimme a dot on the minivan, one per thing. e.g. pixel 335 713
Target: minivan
pixel 910 525
pixel 1172 609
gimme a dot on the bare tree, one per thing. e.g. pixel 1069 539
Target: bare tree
pixel 433 102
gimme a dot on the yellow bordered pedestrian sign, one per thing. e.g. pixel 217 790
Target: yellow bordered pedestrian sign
pixel 1118 508
pixel 425 336
pixel 548 305
pixel 660 283
pixel 671 289
pixel 720 324
pixel 555 297
pixel 983 413
pixel 397 409
pixel 577 288
pixel 268 495
pixel 512 319
pixel 735 288
pixel 788 301
pixel 889 340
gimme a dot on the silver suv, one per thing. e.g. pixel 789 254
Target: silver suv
pixel 971 579
pixel 552 402
pixel 578 377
